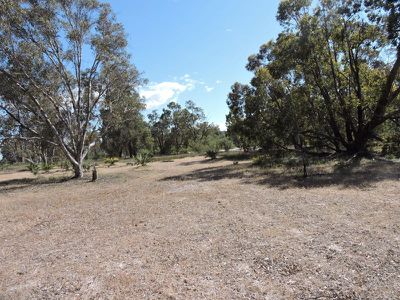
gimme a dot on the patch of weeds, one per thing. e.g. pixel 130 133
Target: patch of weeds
pixel 110 161
pixel 34 168
pixel 143 158
pixel 47 167
pixel 4 166
pixel 212 154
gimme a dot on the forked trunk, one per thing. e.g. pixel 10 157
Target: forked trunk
pixel 78 167
pixel 78 171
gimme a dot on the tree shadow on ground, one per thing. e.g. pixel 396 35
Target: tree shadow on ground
pixel 200 161
pixel 22 183
pixel 224 156
pixel 352 175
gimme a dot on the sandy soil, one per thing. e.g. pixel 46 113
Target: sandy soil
pixel 195 229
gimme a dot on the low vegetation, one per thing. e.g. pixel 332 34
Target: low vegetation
pixel 143 158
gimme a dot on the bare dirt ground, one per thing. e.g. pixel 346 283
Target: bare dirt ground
pixel 195 229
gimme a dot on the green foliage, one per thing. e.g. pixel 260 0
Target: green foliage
pixel 143 158
pixel 3 165
pixel 180 129
pixel 322 85
pixel 124 130
pixel 34 168
pixel 212 146
pixel 110 161
pixel 226 143
pixel 263 161
pixel 46 167
pixel 49 50
pixel 212 154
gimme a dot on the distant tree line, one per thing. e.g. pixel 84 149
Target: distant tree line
pixel 180 129
pixel 329 83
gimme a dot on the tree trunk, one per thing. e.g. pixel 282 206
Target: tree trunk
pixel 78 171
pixel 130 150
pixel 359 145
pixel 78 167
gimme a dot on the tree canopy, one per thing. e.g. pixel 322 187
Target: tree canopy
pixel 59 61
pixel 329 82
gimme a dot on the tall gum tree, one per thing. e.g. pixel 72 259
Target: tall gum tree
pixel 59 59
pixel 345 55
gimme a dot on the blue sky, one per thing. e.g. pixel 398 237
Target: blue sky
pixel 195 49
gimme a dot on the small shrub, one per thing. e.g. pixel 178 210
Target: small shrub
pixel 47 167
pixel 143 158
pixel 34 168
pixel 262 161
pixel 212 154
pixel 3 166
pixel 226 143
pixel 110 161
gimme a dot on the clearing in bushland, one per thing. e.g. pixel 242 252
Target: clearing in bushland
pixel 195 228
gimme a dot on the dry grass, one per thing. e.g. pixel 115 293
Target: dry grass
pixel 204 230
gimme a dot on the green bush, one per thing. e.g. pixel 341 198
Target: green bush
pixel 110 161
pixel 211 154
pixel 47 167
pixel 3 165
pixel 262 161
pixel 226 143
pixel 34 168
pixel 143 158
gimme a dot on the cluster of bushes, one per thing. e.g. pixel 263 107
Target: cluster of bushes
pixel 110 161
pixel 35 167
pixel 143 158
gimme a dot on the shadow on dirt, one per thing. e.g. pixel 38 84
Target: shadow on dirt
pixel 200 161
pixel 224 156
pixel 18 184
pixel 353 175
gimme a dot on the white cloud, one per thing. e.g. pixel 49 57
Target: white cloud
pixel 208 88
pixel 158 94
pixel 228 30
pixel 190 82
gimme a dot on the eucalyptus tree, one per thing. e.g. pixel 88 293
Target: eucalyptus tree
pixel 123 126
pixel 331 76
pixel 160 126
pixel 178 128
pixel 59 59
